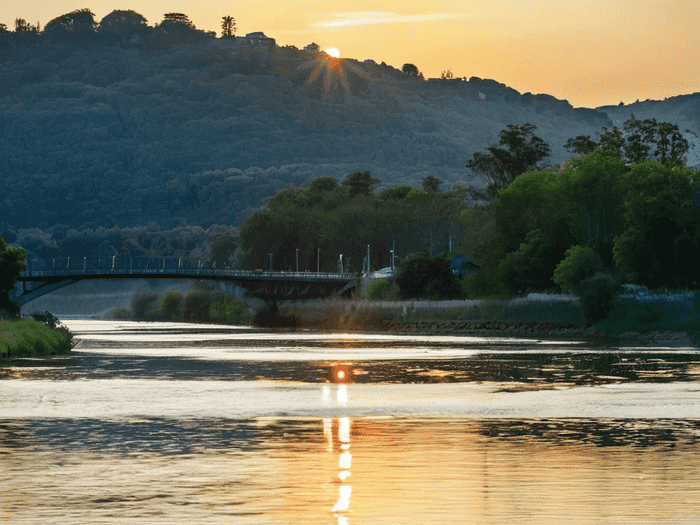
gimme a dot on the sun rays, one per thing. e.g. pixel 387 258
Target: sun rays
pixel 333 70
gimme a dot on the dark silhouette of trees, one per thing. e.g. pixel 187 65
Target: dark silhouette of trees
pixel 423 276
pixel 359 183
pixel 518 151
pixel 177 18
pixel 77 27
pixel 228 26
pixel 446 75
pixel 123 25
pixel 641 140
pixel 12 263
pixel 431 184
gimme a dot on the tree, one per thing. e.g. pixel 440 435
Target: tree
pixel 518 151
pixel 22 26
pixel 12 264
pixel 177 18
pixel 581 145
pixel 223 250
pixel 422 276
pixel 580 263
pixel 123 24
pixel 359 183
pixel 431 184
pixel 228 26
pixel 660 242
pixel 641 140
pixel 77 26
pixel 446 75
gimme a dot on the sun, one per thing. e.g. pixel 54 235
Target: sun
pixel 333 70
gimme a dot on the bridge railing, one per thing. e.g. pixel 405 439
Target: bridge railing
pixel 120 265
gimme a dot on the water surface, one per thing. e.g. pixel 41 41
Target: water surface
pixel 172 423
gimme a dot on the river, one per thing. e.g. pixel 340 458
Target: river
pixel 178 423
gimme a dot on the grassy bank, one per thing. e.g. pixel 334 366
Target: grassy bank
pixel 31 338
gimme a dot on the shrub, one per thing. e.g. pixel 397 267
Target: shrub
pixel 143 304
pixel 383 289
pixel 580 263
pixel 171 305
pixel 597 294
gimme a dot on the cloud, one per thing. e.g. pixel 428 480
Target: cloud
pixel 373 17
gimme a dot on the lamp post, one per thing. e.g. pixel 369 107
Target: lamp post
pixel 270 261
pixel 318 260
pixel 391 264
pixel 297 260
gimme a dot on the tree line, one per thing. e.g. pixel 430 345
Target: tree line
pixel 119 26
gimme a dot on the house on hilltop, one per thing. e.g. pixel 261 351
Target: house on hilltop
pixel 259 38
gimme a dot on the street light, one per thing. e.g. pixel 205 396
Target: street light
pixel 297 260
pixel 270 261
pixel 318 260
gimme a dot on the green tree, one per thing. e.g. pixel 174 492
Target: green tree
pixel 580 263
pixel 660 243
pixel 228 26
pixel 12 264
pixel 171 305
pixel 518 151
pixel 423 276
pixel 143 305
pixel 431 184
pixel 581 145
pixel 223 250
pixel 359 183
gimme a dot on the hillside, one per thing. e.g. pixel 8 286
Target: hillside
pixel 203 133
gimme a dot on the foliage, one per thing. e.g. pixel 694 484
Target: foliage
pixel 12 264
pixel 660 243
pixel 431 184
pixel 223 250
pixel 423 276
pixel 315 221
pixel 580 263
pixel 359 183
pixel 641 140
pixel 228 26
pixel 30 338
pixel 171 305
pixel 597 294
pixel 143 305
pixel 383 289
pixel 517 152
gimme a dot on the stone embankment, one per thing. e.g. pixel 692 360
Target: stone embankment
pixel 544 330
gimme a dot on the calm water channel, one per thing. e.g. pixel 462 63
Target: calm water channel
pixel 176 423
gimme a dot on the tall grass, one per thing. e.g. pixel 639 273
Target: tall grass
pixel 30 338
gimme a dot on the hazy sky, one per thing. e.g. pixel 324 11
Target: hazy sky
pixel 590 52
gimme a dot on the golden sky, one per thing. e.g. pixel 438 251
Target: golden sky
pixel 590 52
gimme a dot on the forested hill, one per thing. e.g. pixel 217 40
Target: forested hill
pixel 203 132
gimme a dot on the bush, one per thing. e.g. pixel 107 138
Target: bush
pixel 29 337
pixel 143 304
pixel 171 305
pixel 383 289
pixel 597 294
pixel 422 276
pixel 580 263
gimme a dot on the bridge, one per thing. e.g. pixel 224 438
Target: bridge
pixel 44 276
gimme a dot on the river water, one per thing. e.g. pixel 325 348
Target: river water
pixel 177 423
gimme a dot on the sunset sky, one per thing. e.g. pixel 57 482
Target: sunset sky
pixel 590 52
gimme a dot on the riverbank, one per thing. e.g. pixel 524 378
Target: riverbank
pixel 30 338
pixel 537 316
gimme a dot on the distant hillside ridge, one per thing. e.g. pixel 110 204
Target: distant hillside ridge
pixel 203 133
